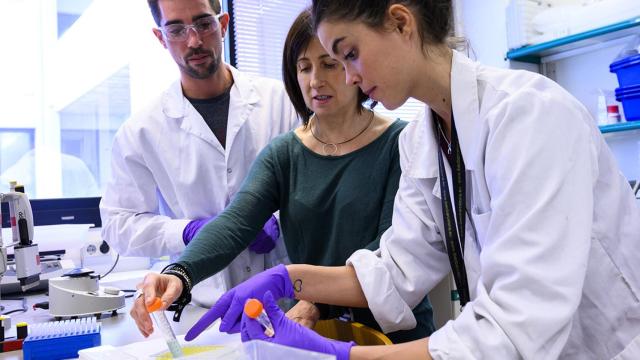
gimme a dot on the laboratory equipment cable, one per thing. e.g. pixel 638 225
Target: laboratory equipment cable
pixel 41 305
pixel 23 309
pixel 129 292
pixel 113 267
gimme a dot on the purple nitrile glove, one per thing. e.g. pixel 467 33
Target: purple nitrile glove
pixel 290 333
pixel 231 305
pixel 266 239
pixel 193 227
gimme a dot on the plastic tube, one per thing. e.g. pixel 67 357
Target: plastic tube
pixel 254 309
pixel 163 325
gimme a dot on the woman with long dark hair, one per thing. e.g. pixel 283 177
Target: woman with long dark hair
pixel 506 182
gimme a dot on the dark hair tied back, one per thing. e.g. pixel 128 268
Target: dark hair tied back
pixel 434 16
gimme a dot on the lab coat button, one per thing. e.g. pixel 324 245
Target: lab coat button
pixel 229 171
pixel 248 269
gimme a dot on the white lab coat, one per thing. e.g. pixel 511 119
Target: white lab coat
pixel 554 268
pixel 169 168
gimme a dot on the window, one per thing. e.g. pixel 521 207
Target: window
pixel 259 30
pixel 75 76
pixel 15 146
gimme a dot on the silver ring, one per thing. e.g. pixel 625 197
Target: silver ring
pixel 138 293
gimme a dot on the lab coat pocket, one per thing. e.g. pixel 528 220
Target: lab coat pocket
pixel 609 306
pixel 480 223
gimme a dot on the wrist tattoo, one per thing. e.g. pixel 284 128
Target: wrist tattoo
pixel 297 285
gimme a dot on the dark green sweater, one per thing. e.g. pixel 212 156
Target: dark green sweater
pixel 329 206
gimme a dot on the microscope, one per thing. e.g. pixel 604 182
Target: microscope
pixel 26 255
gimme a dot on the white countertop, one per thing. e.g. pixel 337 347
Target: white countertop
pixel 119 330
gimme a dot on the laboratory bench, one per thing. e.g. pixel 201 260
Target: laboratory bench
pixel 118 330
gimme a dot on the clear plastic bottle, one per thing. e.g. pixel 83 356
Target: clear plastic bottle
pixel 613 114
pixel 163 325
pixel 254 309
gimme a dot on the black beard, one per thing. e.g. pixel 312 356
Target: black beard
pixel 201 74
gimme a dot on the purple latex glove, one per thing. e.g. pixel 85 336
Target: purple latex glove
pixel 266 239
pixel 231 305
pixel 264 242
pixel 193 227
pixel 290 333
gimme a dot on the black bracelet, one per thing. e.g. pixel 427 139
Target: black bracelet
pixel 185 297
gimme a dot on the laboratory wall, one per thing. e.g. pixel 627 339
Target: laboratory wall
pixel 584 73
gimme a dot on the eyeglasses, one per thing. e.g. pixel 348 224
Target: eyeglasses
pixel 203 26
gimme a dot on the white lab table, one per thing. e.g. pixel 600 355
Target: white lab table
pixel 117 330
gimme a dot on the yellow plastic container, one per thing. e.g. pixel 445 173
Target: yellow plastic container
pixel 351 331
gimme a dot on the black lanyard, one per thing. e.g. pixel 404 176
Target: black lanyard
pixel 454 234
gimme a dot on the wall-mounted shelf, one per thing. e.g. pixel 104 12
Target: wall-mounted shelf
pixel 533 53
pixel 625 126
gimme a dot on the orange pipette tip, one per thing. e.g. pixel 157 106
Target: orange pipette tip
pixel 253 308
pixel 157 304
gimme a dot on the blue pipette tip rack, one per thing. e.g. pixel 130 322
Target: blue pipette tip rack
pixel 61 339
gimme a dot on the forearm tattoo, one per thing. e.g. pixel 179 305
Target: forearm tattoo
pixel 297 285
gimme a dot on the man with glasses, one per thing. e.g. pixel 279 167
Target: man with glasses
pixel 179 163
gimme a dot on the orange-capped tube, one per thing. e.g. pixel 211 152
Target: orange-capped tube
pixel 157 304
pixel 163 324
pixel 254 309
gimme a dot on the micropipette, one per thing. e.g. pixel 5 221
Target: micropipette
pixel 254 309
pixel 163 325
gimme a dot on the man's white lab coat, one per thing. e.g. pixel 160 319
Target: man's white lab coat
pixel 552 247
pixel 169 168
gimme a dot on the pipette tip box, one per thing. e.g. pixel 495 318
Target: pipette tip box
pixel 61 339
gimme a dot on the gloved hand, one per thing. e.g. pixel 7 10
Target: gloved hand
pixel 264 242
pixel 231 305
pixel 193 227
pixel 290 333
pixel 266 239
